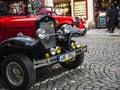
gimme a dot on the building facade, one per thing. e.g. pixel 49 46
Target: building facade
pixel 88 9
pixel 80 8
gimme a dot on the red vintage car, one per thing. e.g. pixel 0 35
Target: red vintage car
pixel 29 42
pixel 75 22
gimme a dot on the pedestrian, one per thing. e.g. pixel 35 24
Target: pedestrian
pixel 118 15
pixel 111 18
pixel 107 18
pixel 22 8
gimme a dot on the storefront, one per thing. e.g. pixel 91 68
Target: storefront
pixel 63 7
pixel 103 4
pixel 80 8
pixel 100 9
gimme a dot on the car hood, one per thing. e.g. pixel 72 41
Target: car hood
pixel 63 20
pixel 7 21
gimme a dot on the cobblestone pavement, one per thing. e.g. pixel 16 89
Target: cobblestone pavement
pixel 99 71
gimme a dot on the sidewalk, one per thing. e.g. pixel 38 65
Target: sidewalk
pixel 103 31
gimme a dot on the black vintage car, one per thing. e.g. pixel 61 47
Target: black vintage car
pixel 38 44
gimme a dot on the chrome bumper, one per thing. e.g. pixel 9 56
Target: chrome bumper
pixel 53 59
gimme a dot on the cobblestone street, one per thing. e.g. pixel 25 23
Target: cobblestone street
pixel 99 71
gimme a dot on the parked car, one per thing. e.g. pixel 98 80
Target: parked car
pixel 76 22
pixel 29 42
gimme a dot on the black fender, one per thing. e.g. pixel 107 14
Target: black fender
pixel 73 31
pixel 70 29
pixel 17 45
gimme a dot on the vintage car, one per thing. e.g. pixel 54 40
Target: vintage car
pixel 76 22
pixel 29 42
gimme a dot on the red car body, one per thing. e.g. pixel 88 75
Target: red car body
pixel 64 20
pixel 61 20
pixel 10 26
pixel 82 24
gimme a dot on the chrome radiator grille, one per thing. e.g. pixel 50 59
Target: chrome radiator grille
pixel 48 24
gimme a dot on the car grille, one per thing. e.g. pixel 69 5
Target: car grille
pixel 48 24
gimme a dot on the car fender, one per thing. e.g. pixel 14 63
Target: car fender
pixel 62 23
pixel 73 31
pixel 17 45
pixel 70 29
pixel 24 41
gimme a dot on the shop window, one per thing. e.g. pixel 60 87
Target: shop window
pixel 63 8
pixel 80 8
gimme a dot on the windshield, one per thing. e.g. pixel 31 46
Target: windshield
pixel 12 7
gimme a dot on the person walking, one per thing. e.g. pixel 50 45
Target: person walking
pixel 108 18
pixel 118 15
pixel 111 18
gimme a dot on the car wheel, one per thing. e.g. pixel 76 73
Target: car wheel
pixel 74 62
pixel 18 72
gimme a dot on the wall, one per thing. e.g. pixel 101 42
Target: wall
pixel 90 21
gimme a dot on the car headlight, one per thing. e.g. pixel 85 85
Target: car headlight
pixel 53 51
pixel 66 28
pixel 73 45
pixel 81 45
pixel 77 44
pixel 58 50
pixel 47 55
pixel 41 33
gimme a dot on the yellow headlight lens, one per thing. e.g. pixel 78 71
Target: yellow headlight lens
pixel 81 45
pixel 58 50
pixel 47 55
pixel 73 45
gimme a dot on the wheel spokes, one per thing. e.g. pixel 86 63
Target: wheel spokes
pixel 15 73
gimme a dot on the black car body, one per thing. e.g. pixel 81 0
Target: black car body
pixel 38 44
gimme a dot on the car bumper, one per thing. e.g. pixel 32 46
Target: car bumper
pixel 53 60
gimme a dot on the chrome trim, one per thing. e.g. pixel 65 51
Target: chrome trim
pixel 53 59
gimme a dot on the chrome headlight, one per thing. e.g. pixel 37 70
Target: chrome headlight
pixel 66 28
pixel 53 51
pixel 77 44
pixel 41 33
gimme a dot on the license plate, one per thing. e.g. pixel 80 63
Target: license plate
pixel 66 57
